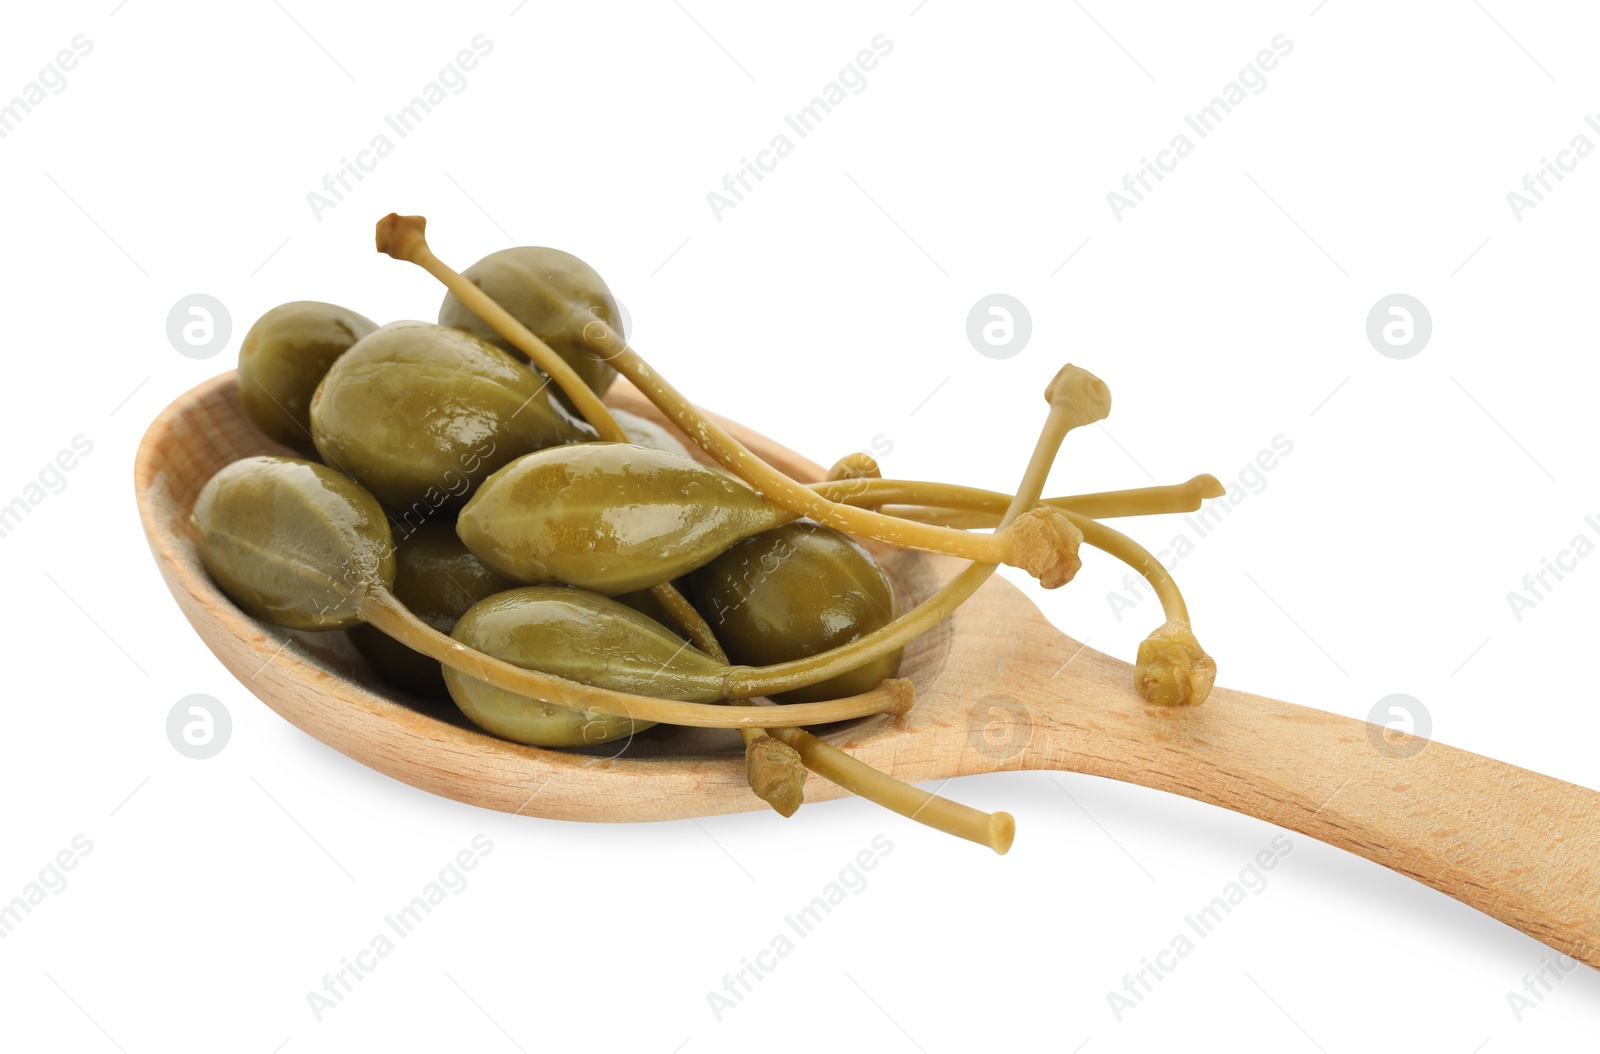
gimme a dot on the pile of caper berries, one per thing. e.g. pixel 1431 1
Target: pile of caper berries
pixel 490 531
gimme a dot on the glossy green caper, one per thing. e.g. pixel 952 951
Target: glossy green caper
pixel 609 517
pixel 584 637
pixel 792 592
pixel 553 293
pixel 421 414
pixel 283 359
pixel 438 580
pixel 293 542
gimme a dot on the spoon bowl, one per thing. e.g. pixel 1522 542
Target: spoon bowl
pixel 998 688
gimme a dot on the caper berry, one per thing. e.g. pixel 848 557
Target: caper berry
pixel 292 542
pixel 285 356
pixel 584 637
pixel 553 293
pixel 795 591
pixel 609 517
pixel 421 414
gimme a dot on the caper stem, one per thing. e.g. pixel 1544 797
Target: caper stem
pixel 1102 537
pixel 960 519
pixel 1115 543
pixel 971 507
pixel 780 677
pixel 1176 631
pixel 994 830
pixel 1141 501
pixel 383 610
pixel 1170 644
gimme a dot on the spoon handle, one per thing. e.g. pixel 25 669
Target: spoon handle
pixel 1519 846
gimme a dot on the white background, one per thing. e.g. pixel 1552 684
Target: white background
pixel 828 308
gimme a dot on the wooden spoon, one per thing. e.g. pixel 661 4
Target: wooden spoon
pixel 998 688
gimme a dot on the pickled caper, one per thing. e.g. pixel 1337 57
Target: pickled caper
pixel 609 517
pixel 553 293
pixel 582 636
pixel 292 542
pixel 285 356
pixel 421 414
pixel 795 591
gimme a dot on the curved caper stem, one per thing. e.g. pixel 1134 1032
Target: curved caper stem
pixel 383 610
pixel 1170 649
pixel 1172 669
pixel 780 677
pixel 945 499
pixel 776 773
pixel 403 237
pixel 1136 556
pixel 1110 504
pixel 994 830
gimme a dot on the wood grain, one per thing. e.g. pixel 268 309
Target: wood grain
pixel 998 688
